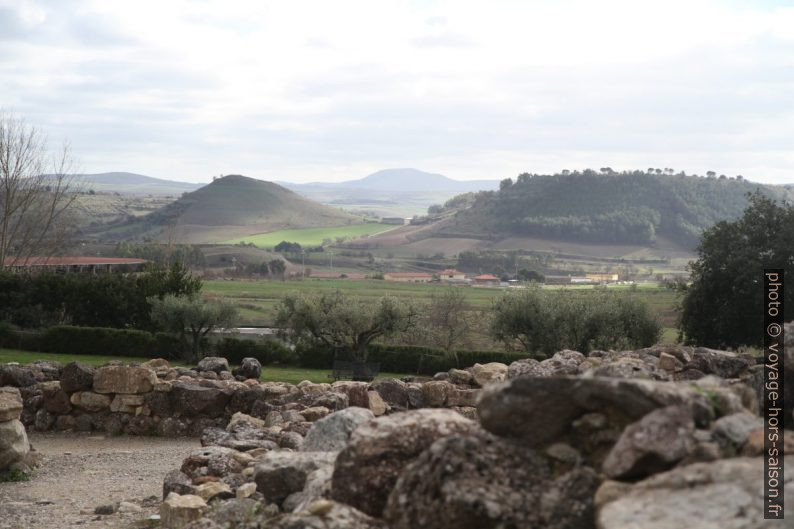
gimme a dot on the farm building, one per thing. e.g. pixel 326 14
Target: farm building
pixel 450 274
pixel 487 280
pixel 65 265
pixel 602 278
pixel 408 277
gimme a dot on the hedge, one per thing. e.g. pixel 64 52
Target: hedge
pixel 408 358
pixel 69 339
pixel 266 351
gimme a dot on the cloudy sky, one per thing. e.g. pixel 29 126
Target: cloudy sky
pixel 332 90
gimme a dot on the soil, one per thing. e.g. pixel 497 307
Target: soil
pixel 80 472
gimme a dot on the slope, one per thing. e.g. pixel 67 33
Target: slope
pixel 232 206
pixel 131 183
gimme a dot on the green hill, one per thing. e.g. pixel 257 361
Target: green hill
pixel 632 207
pixel 232 206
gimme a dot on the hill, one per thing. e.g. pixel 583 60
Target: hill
pixel 131 183
pixel 632 207
pixel 232 206
pixel 391 192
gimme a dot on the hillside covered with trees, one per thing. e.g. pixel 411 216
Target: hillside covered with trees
pixel 630 207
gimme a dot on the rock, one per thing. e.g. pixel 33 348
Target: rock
pixel 526 367
pixel 462 397
pixel 65 422
pixel 727 494
pixel 434 393
pixel 126 403
pixel 318 486
pixel 249 368
pixel 724 364
pixel 332 433
pixel 279 474
pixel 197 460
pixel 542 410
pixel 654 443
pixel 215 364
pixel 483 481
pixel 157 364
pixel 124 379
pixel 14 444
pixel 90 401
pixel 10 404
pixel 392 391
pixel 55 400
pixel 178 482
pixel 245 490
pixel 106 509
pixel 128 507
pixel 416 397
pixel 484 374
pixel 626 368
pixel 315 413
pixel 189 399
pixel 178 511
pixel 44 420
pixel 367 469
pixel 460 376
pixel 669 363
pixel 755 442
pixel 16 376
pixel 172 427
pixel 326 514
pixel 214 489
pixel 77 377
pixel 376 404
pixel 733 430
pixel 356 392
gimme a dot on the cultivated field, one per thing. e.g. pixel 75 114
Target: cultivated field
pixel 312 236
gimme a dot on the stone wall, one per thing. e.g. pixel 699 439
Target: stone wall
pixel 14 446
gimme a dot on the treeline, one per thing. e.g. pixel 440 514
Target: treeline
pixel 162 254
pixel 631 207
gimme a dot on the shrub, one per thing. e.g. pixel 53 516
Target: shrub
pixel 67 339
pixel 266 351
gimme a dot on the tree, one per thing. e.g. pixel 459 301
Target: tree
pixel 36 193
pixel 531 275
pixel 288 247
pixel 723 305
pixel 190 316
pixel 448 318
pixel 543 322
pixel 342 323
pixel 277 267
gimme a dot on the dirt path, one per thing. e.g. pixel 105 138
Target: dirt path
pixel 80 472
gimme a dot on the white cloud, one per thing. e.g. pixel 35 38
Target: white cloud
pixel 313 90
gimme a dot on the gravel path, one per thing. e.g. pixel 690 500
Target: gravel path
pixel 80 472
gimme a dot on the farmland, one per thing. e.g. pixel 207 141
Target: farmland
pixel 257 299
pixel 312 236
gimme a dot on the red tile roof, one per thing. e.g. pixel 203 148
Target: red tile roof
pixel 70 261
pixel 486 277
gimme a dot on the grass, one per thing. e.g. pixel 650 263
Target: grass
pixel 289 374
pixel 312 236
pixel 15 475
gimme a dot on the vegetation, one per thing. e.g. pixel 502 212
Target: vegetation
pixel 342 323
pixel 162 254
pixel 193 318
pixel 38 300
pixel 723 306
pixel 544 321
pixel 448 319
pixel 631 207
pixel 312 236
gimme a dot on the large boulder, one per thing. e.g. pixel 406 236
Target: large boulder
pixel 77 377
pixel 654 443
pixel 10 404
pixel 250 368
pixel 190 399
pixel 178 511
pixel 279 474
pixel 16 375
pixel 124 379
pixel 216 364
pixel 332 432
pixel 542 410
pixel 392 391
pixel 724 364
pixel 728 494
pixel 367 469
pixel 14 444
pixel 90 401
pixel 732 431
pixel 481 481
pixel 55 399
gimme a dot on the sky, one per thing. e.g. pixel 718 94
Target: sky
pixel 334 90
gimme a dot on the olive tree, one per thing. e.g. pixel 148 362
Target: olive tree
pixel 448 321
pixel 191 317
pixel 342 322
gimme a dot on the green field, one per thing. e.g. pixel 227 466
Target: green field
pixel 289 374
pixel 312 236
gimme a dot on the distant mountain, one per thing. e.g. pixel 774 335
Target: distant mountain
pixel 632 207
pixel 412 190
pixel 131 183
pixel 229 207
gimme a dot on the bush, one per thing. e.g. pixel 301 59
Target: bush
pixel 266 351
pixel 67 339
